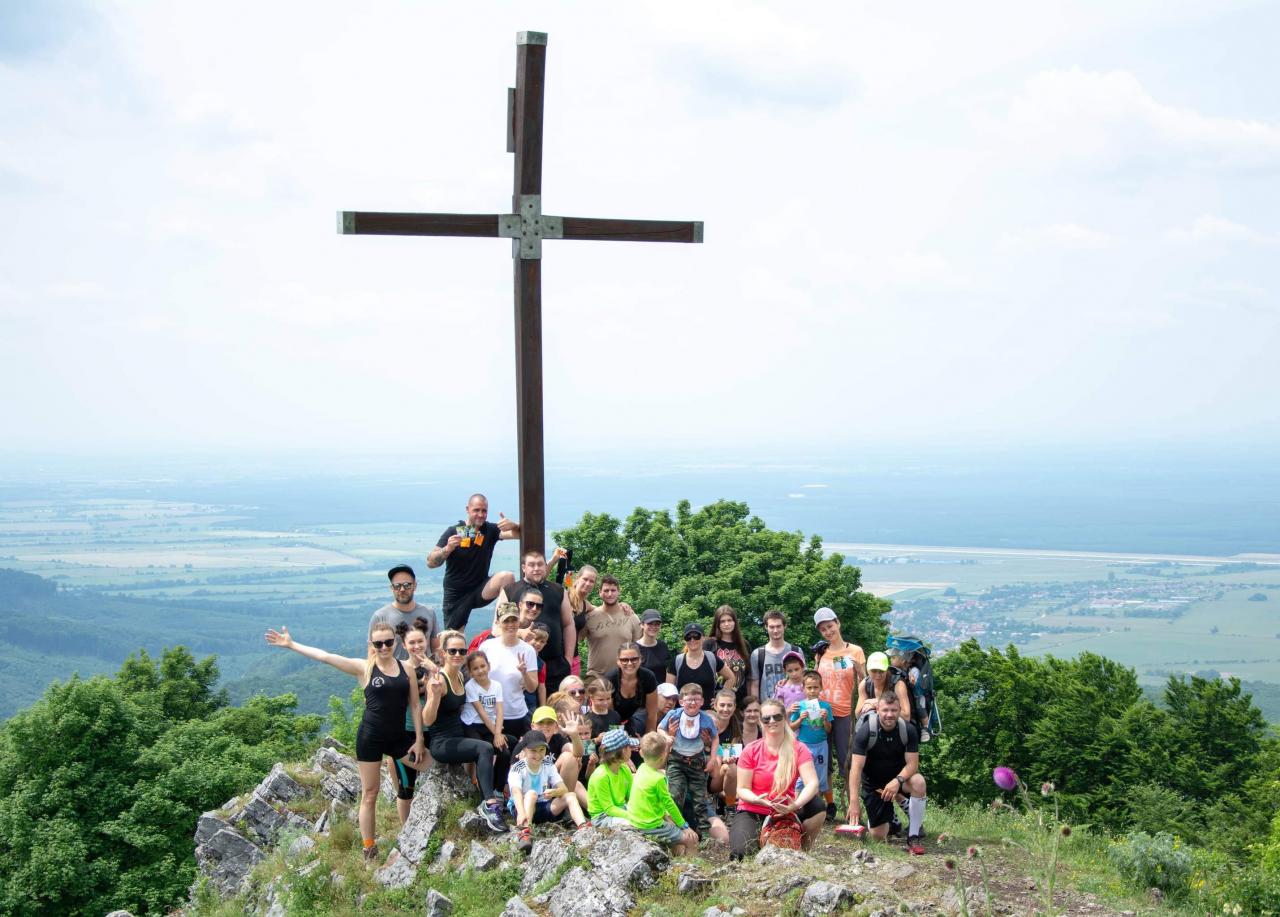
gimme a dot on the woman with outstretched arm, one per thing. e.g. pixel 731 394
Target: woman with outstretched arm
pixel 390 693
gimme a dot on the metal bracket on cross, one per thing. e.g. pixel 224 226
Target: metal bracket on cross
pixel 529 227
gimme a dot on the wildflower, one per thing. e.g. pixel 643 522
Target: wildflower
pixel 950 863
pixel 1046 788
pixel 1005 777
pixel 974 853
pixel 943 837
pixel 1066 830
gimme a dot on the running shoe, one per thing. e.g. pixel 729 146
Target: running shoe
pixel 585 824
pixel 915 846
pixel 491 812
pixel 371 853
pixel 525 843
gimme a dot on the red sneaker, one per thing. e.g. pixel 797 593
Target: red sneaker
pixel 915 846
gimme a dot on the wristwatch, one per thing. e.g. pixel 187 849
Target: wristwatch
pixel 902 781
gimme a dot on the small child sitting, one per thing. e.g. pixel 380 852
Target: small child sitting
pixel 650 807
pixel 537 792
pixel 610 785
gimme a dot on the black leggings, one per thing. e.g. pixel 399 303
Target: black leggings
pixel 744 834
pixel 465 751
pixel 501 757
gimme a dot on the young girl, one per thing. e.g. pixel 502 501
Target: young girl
pixel 791 689
pixel 482 717
pixel 724 711
pixel 537 638
pixel 537 792
pixel 812 719
pixel 610 783
pixel 389 695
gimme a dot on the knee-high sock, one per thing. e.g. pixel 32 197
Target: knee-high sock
pixel 915 812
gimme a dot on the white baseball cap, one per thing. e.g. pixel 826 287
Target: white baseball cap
pixel 823 614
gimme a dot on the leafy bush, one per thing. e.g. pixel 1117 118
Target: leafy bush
pixel 1160 861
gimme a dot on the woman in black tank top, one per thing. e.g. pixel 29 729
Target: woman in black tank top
pixel 446 697
pixel 389 696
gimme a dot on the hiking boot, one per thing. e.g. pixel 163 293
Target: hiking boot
pixel 895 827
pixel 831 811
pixel 491 812
pixel 915 846
pixel 525 843
pixel 371 853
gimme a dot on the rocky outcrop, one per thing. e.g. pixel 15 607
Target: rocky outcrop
pixel 610 867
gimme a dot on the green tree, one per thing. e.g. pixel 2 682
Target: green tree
pixel 101 781
pixel 690 564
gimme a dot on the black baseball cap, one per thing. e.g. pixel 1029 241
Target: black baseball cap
pixel 401 568
pixel 693 627
pixel 651 614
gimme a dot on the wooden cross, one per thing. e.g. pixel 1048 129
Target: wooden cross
pixel 526 226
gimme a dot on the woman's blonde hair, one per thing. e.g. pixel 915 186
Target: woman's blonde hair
pixel 576 601
pixel 372 658
pixel 784 776
pixel 445 637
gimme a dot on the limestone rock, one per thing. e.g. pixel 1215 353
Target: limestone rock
pixel 435 789
pixel 715 912
pixel 207 826
pixel 546 858
pixel 301 846
pixel 586 894
pixel 331 742
pixel 278 786
pixel 331 762
pixel 226 859
pixel 480 858
pixel 898 871
pixel 471 823
pixel 437 904
pixel 397 872
pixel 694 884
pixel 322 823
pixel 824 898
pixel 780 858
pixel 517 908
pixel 443 858
pixel 341 786
pixel 786 885
pixel 311 867
pixel 629 859
pixel 119 914
pixel 262 820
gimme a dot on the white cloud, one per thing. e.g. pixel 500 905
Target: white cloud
pixel 1058 236
pixel 1213 229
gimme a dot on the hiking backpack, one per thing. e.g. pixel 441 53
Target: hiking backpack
pixel 873 724
pixel 924 708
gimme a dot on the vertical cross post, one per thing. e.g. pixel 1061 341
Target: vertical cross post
pixel 531 60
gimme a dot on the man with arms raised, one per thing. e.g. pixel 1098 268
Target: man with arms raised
pixel 556 613
pixel 608 627
pixel 404 609
pixel 465 550
pixel 885 762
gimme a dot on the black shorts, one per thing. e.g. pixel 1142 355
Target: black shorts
pixel 456 609
pixel 406 777
pixel 372 747
pixel 878 811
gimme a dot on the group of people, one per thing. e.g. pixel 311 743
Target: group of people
pixel 717 740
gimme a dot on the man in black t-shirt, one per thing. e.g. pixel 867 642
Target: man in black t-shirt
pixel 885 763
pixel 465 550
pixel 556 613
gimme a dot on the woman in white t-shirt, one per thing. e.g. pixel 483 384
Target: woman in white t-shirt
pixel 514 665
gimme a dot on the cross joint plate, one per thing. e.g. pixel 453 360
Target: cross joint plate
pixel 529 227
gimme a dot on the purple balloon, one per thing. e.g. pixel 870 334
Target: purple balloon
pixel 1005 778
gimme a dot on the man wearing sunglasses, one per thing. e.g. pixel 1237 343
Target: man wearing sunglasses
pixel 404 609
pixel 556 613
pixel 465 550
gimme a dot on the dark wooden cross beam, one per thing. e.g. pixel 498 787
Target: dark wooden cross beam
pixel 526 226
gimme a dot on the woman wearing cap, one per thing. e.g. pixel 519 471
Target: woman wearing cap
pixel 446 696
pixel 877 682
pixel 842 666
pixel 635 691
pixel 514 665
pixel 390 694
pixel 654 652
pixel 696 666
pixel 767 773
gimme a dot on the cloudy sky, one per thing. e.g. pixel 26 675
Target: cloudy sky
pixel 993 222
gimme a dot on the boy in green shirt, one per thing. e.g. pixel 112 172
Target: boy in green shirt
pixel 610 783
pixel 650 804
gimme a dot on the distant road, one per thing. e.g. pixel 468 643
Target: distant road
pixel 853 548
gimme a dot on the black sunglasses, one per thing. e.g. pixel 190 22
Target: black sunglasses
pixel 693 637
pixel 770 717
pixel 456 651
pixel 625 660
pixel 576 692
pixel 398 586
pixel 383 644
